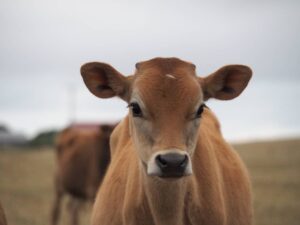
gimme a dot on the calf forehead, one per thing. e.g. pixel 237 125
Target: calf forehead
pixel 168 85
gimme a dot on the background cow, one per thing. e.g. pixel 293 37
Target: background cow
pixel 2 216
pixel 170 163
pixel 82 158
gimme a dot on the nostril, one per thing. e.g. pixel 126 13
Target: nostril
pixel 161 162
pixel 184 162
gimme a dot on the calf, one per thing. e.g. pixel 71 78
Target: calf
pixel 169 162
pixel 82 158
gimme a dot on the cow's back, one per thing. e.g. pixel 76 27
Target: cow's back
pixel 82 162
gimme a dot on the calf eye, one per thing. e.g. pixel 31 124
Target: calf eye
pixel 200 111
pixel 136 110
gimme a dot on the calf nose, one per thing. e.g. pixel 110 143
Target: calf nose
pixel 172 164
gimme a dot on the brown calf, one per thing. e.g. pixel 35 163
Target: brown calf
pixel 169 162
pixel 82 158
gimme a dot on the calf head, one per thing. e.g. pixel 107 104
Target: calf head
pixel 166 101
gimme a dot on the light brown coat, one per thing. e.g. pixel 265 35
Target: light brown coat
pixel 168 94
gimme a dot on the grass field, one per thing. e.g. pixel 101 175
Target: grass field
pixel 26 184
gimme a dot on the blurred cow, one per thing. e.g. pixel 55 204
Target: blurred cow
pixel 2 216
pixel 82 158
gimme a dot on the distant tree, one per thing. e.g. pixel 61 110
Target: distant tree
pixel 3 128
pixel 45 138
pixel 10 138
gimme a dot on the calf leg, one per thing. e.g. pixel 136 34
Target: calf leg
pixel 56 207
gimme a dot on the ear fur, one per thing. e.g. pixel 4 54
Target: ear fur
pixel 226 83
pixel 104 81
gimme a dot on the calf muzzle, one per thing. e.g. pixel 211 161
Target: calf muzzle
pixel 172 164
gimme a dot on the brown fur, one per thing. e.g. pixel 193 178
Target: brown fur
pixel 82 158
pixel 2 216
pixel 217 193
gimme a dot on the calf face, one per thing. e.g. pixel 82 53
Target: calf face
pixel 166 101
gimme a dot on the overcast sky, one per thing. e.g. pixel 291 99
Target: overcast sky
pixel 44 43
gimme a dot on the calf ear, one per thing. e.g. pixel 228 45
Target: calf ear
pixel 226 83
pixel 104 81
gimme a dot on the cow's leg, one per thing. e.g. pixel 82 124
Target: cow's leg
pixel 56 206
pixel 74 207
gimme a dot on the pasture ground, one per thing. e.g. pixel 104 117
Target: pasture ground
pixel 26 184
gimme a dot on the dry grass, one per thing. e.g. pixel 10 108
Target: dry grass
pixel 275 172
pixel 26 187
pixel 26 183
